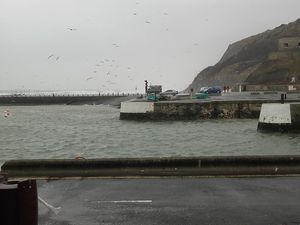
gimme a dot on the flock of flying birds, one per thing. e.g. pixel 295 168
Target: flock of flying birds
pixel 109 65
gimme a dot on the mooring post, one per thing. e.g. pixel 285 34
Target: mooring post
pixel 282 99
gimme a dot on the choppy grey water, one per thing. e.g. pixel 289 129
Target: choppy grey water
pixel 96 131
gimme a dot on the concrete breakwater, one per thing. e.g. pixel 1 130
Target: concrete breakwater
pixel 114 99
pixel 280 117
pixel 157 167
pixel 193 109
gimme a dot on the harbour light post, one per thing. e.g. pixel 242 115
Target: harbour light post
pixel 146 87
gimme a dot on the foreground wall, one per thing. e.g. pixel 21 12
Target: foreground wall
pixel 160 167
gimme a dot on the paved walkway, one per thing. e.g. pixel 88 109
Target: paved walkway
pixel 177 201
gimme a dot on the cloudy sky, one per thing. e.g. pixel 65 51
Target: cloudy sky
pixel 114 45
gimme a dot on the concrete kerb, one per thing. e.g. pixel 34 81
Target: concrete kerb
pixel 156 167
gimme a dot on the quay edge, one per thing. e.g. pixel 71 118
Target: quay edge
pixel 193 109
pixel 279 118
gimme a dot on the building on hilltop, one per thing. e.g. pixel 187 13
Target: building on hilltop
pixel 289 43
pixel 281 68
pixel 288 48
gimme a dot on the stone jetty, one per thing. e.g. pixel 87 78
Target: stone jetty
pixel 227 106
pixel 279 117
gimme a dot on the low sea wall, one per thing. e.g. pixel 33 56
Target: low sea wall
pixel 65 100
pixel 280 117
pixel 286 88
pixel 155 167
pixel 188 110
pixel 209 110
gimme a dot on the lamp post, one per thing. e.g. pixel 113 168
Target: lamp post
pixel 146 87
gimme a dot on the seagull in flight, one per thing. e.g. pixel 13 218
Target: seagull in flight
pixel 50 56
pixel 72 29
pixel 89 78
pixel 57 58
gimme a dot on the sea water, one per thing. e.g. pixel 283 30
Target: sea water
pixel 61 131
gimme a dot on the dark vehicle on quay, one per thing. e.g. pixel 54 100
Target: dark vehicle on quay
pixel 212 90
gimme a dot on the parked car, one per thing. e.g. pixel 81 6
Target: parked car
pixel 153 97
pixel 203 89
pixel 157 97
pixel 201 95
pixel 213 90
pixel 169 93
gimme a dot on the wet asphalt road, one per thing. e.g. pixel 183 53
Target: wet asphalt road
pixel 176 201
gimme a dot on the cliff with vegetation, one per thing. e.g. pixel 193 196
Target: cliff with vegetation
pixel 268 58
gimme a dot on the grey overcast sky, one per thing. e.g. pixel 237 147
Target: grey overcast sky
pixel 114 45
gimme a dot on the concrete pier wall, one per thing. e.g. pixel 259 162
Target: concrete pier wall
pixel 275 113
pixel 286 88
pixel 133 107
pixel 279 117
pixel 208 110
pixel 63 100
pixel 186 110
pixel 157 167
pixel 295 113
